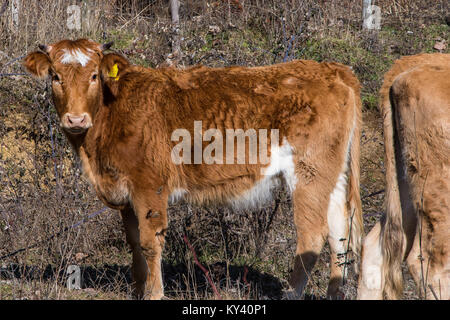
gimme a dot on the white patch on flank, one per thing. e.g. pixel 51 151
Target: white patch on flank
pixel 75 56
pixel 258 196
pixel 281 161
pixel 177 195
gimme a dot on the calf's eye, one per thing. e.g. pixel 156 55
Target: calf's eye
pixel 94 77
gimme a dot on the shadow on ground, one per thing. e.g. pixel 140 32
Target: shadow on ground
pixel 246 282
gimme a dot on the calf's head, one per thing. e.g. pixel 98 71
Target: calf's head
pixel 75 68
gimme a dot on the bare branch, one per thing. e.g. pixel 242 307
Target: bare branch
pixel 175 56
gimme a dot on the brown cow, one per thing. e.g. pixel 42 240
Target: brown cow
pixel 415 104
pixel 125 122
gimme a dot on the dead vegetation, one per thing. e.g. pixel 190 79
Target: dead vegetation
pixel 248 254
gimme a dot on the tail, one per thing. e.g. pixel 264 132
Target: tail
pixel 356 227
pixel 354 198
pixel 392 238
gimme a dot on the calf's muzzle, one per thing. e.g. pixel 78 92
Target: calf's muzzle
pixel 76 123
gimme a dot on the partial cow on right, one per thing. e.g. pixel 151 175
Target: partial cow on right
pixel 415 106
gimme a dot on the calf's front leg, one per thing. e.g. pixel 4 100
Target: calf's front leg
pixel 139 266
pixel 151 212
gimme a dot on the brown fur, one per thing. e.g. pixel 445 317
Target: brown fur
pixel 126 152
pixel 415 104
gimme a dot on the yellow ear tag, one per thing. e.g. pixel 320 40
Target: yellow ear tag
pixel 113 72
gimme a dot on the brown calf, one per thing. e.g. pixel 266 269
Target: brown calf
pixel 415 104
pixel 125 122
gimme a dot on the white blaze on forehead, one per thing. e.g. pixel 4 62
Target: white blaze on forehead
pixel 75 56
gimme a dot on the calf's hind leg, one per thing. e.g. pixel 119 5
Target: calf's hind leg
pixel 371 276
pixel 338 237
pixel 311 233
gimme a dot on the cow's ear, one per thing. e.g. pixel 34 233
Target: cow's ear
pixel 112 66
pixel 38 64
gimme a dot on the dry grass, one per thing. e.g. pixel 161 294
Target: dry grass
pixel 248 254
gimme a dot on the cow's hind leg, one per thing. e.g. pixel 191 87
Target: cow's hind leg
pixel 310 222
pixel 429 260
pixel 338 237
pixel 371 274
pixel 139 266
